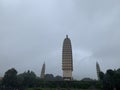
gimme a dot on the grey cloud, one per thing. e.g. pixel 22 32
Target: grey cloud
pixel 32 32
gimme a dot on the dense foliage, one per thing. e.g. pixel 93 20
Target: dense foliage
pixel 13 81
pixel 111 79
pixel 10 78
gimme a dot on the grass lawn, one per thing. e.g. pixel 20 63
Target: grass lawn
pixel 58 89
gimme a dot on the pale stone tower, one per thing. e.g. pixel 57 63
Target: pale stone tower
pixel 67 60
pixel 43 71
pixel 98 70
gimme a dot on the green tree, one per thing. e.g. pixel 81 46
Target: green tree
pixel 101 74
pixel 10 78
pixel 58 78
pixel 117 79
pixel 27 79
pixel 111 79
pixel 49 77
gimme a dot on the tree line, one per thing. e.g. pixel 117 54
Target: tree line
pixel 110 80
pixel 24 80
pixel 14 81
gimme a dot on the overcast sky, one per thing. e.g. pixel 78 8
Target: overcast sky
pixel 32 31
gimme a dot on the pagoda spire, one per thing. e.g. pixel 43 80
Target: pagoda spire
pixel 98 70
pixel 66 36
pixel 67 60
pixel 43 71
